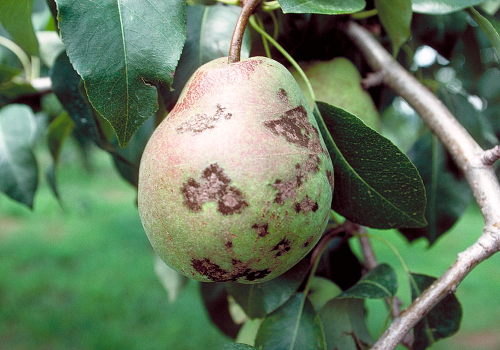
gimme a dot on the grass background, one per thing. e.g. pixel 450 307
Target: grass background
pixel 81 275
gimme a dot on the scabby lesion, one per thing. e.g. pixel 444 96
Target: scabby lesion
pixel 201 122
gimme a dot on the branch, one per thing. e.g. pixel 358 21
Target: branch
pixel 468 155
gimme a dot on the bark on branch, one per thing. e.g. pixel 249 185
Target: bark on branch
pixel 468 155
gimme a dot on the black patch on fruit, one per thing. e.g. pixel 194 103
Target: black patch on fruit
pixel 309 240
pixel 288 189
pixel 282 247
pixel 229 244
pixel 201 122
pixel 329 175
pixel 306 205
pixel 215 273
pixel 257 274
pixel 282 95
pixel 213 187
pixel 295 127
pixel 262 229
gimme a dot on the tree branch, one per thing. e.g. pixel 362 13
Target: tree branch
pixel 468 155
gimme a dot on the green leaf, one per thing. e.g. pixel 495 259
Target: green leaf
pixel 18 167
pixel 448 193
pixel 321 291
pixel 121 49
pixel 59 130
pixel 395 16
pixel 278 328
pixel 237 346
pixel 376 185
pixel 442 7
pixel 381 282
pixel 170 279
pixel 15 17
pixel 208 36
pixel 441 322
pixel 325 7
pixel 344 324
pixel 490 25
pixel 258 300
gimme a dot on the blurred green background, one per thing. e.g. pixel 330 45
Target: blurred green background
pixel 80 275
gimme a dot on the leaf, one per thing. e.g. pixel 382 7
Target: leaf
pixel 171 280
pixel 441 322
pixel 59 130
pixel 325 7
pixel 395 16
pixel 321 291
pixel 490 25
pixel 381 282
pixel 237 346
pixel 208 36
pixel 258 300
pixel 214 296
pixel 344 324
pixel 121 49
pixel 278 328
pixel 434 7
pixel 65 81
pixel 15 17
pixel 376 185
pixel 448 193
pixel 18 167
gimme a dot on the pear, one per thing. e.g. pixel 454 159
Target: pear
pixel 338 82
pixel 235 184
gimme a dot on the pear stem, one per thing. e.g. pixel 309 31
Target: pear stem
pixel 249 7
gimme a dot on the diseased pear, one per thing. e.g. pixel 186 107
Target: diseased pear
pixel 236 183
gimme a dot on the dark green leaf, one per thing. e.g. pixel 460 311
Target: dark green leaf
pixel 344 324
pixel 18 167
pixel 325 7
pixel 65 83
pixel 122 49
pixel 127 159
pixel 490 25
pixel 10 90
pixel 59 130
pixel 441 322
pixel 376 185
pixel 15 17
pixel 442 6
pixel 381 282
pixel 321 291
pixel 214 296
pixel 258 300
pixel 471 118
pixel 238 346
pixel 277 330
pixel 208 36
pixel 7 73
pixel 395 16
pixel 448 194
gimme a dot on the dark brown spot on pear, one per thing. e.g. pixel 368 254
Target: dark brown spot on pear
pixel 282 247
pixel 215 273
pixel 282 95
pixel 198 123
pixel 295 127
pixel 306 205
pixel 213 187
pixel 262 229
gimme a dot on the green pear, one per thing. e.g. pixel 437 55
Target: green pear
pixel 338 83
pixel 235 185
